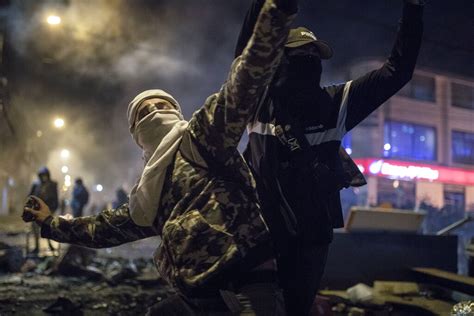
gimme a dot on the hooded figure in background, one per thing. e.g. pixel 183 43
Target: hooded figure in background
pixel 295 149
pixel 80 197
pixel 196 192
pixel 47 190
pixel 121 197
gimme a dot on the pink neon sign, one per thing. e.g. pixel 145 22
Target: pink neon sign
pixel 415 171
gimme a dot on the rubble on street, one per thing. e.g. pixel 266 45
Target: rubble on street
pixel 79 283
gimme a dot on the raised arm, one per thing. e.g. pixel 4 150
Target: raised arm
pixel 220 123
pixel 109 228
pixel 248 26
pixel 371 90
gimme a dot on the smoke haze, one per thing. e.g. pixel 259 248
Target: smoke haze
pixel 104 52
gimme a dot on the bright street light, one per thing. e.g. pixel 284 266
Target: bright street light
pixel 53 20
pixel 64 169
pixel 99 188
pixel 59 122
pixel 67 180
pixel 65 154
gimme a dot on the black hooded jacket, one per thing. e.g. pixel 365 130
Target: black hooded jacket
pixel 46 190
pixel 292 201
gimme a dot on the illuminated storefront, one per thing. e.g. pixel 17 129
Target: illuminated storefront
pixel 407 184
pixel 417 150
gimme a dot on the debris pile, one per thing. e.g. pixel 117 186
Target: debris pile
pixel 389 298
pixel 77 282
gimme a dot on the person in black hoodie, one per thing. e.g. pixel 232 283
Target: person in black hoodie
pixel 121 197
pixel 80 197
pixel 295 150
pixel 47 190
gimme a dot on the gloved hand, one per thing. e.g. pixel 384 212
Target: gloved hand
pixel 288 6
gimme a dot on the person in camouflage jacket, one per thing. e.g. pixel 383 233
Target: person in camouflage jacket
pixel 208 217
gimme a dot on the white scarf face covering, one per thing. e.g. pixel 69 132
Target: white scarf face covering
pixel 159 134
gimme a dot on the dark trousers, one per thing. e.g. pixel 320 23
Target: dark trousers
pixel 36 232
pixel 77 211
pixel 300 273
pixel 259 299
pixel 36 236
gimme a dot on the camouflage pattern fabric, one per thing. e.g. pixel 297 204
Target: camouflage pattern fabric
pixel 109 228
pixel 209 218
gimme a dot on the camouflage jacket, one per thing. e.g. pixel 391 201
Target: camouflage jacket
pixel 209 219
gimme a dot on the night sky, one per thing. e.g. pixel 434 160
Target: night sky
pixel 104 52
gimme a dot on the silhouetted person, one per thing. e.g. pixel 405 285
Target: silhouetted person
pixel 47 190
pixel 295 145
pixel 80 197
pixel 121 197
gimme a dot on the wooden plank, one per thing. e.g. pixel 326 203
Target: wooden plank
pixel 447 279
pixel 437 307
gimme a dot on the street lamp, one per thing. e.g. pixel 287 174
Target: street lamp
pixel 53 20
pixel 65 169
pixel 65 154
pixel 58 122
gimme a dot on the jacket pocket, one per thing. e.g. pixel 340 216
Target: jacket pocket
pixel 197 249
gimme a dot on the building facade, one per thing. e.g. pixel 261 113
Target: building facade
pixel 417 150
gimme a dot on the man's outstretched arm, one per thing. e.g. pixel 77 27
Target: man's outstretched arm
pixel 110 228
pixel 371 90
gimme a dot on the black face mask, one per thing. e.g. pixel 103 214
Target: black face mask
pixel 298 86
pixel 304 70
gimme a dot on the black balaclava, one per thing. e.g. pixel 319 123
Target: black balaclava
pixel 303 71
pixel 298 87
